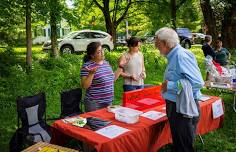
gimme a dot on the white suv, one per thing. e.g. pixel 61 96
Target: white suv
pixel 80 40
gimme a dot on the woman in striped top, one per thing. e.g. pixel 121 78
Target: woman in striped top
pixel 97 78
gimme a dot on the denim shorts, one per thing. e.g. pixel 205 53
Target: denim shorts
pixel 91 105
pixel 132 87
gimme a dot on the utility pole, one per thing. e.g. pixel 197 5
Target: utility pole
pixel 127 28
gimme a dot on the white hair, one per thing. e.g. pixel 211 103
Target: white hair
pixel 168 35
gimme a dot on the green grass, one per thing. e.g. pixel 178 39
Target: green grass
pixel 54 75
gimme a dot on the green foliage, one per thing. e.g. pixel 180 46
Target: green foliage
pixel 46 77
pixel 86 15
pixel 158 12
pixel 7 59
pixel 152 59
pixel 189 15
pixel 11 18
pixel 120 49
pixel 219 8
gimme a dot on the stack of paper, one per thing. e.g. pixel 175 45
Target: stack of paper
pixel 153 115
pixel 220 85
pixel 112 131
pixel 204 98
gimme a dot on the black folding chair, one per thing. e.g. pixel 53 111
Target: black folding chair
pixel 71 102
pixel 31 112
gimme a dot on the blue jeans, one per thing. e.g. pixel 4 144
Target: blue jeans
pixel 132 87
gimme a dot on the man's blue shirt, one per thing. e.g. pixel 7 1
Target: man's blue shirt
pixel 182 64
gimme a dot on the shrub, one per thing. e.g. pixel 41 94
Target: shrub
pixel 7 59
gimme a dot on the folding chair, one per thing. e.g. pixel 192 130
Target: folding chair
pixel 31 112
pixel 70 102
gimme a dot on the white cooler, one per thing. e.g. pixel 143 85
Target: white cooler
pixel 127 115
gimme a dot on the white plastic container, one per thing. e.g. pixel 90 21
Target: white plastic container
pixel 112 108
pixel 127 115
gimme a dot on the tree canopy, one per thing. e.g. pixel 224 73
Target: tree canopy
pixel 144 17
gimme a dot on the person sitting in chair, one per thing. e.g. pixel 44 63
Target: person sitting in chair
pixel 208 50
pixel 222 54
pixel 206 47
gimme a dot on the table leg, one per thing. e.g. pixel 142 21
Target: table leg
pixel 200 137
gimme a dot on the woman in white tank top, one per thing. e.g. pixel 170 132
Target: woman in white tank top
pixel 132 65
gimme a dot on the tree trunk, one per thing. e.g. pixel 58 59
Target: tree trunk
pixel 229 28
pixel 112 31
pixel 112 24
pixel 28 34
pixel 111 27
pixel 53 24
pixel 209 18
pixel 173 13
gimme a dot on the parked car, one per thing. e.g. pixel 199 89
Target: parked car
pixel 150 39
pixel 78 41
pixel 47 45
pixel 121 41
pixel 185 36
pixel 39 40
pixel 198 38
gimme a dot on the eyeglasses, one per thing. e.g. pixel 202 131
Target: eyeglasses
pixel 99 52
pixel 158 43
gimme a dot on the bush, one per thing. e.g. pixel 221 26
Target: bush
pixel 7 59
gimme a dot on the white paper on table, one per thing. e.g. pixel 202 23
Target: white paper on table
pixel 112 131
pixel 154 115
pixel 148 101
pixel 204 98
pixel 220 85
pixel 217 109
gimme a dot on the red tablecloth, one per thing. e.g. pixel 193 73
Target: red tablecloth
pixel 146 135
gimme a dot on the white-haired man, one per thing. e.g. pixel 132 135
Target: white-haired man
pixel 182 65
